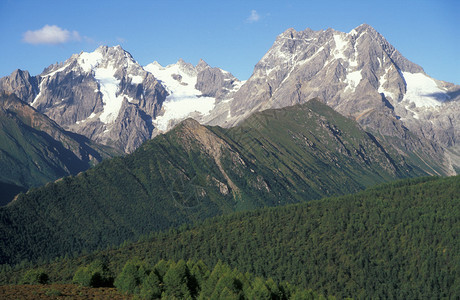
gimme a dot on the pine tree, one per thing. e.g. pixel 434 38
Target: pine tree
pixel 176 281
pixel 151 286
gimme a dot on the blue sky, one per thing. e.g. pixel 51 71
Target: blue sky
pixel 232 35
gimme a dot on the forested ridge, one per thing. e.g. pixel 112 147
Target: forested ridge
pixel 194 172
pixel 397 240
pixel 35 150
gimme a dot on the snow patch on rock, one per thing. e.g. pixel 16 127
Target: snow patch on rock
pixel 40 89
pixel 423 91
pixel 109 87
pixel 89 61
pixel 340 45
pixel 352 80
pixel 54 72
pixel 183 99
pixel 136 79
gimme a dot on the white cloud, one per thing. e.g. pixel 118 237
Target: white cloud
pixel 254 17
pixel 50 35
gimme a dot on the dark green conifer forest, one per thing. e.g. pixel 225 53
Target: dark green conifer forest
pixel 397 240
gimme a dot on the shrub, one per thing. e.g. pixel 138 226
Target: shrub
pixel 53 292
pixel 94 275
pixel 35 276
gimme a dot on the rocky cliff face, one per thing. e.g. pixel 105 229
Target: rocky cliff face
pixel 104 95
pixel 20 83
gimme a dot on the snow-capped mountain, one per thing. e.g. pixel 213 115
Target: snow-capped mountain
pixel 357 73
pixel 105 95
pixel 360 75
pixel 108 97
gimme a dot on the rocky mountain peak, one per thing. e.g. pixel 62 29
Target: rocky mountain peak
pixel 186 67
pixel 364 28
pixel 20 74
pixel 201 65
pixel 341 64
pixel 359 74
pixel 20 83
pixel 288 33
pixel 105 57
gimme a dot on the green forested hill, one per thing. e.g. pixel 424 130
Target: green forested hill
pixel 194 172
pixel 398 240
pixel 35 150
